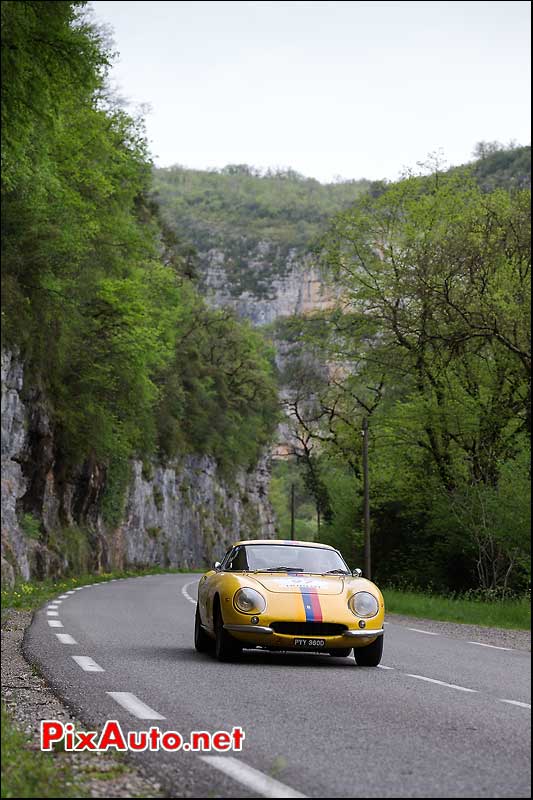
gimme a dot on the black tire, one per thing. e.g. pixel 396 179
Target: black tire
pixel 341 652
pixel 226 648
pixel 370 655
pixel 202 642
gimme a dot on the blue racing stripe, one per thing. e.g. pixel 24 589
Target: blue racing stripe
pixel 308 606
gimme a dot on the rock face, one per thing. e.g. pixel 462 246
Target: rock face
pixel 14 439
pixel 181 514
pixel 259 292
pixel 184 515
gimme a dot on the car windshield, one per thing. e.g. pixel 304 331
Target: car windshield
pixel 286 558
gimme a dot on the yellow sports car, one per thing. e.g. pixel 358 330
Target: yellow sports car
pixel 288 595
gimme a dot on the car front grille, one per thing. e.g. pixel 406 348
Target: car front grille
pixel 309 628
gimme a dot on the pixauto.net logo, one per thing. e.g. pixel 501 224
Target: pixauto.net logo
pixel 113 737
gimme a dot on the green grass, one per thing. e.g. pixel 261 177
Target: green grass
pixel 29 595
pixel 30 773
pixel 510 613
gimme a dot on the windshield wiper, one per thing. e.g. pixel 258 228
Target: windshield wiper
pixel 336 572
pixel 283 569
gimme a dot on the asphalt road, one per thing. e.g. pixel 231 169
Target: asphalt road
pixel 442 718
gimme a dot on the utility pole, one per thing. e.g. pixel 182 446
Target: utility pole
pixel 292 511
pixel 366 500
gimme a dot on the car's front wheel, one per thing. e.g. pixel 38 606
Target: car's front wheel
pixel 370 655
pixel 202 642
pixel 226 648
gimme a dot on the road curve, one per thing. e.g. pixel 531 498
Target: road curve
pixel 442 718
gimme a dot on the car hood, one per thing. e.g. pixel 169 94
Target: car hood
pixel 286 583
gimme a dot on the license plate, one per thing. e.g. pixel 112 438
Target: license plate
pixel 310 644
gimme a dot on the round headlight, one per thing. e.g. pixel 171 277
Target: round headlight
pixel 363 604
pixel 248 601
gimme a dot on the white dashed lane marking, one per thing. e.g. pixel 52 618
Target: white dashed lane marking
pixel 63 596
pixel 382 666
pixel 428 633
pixel 493 646
pixel 250 777
pixel 55 623
pixel 52 613
pixel 88 664
pixel 66 638
pixel 441 683
pixel 134 705
pixel 515 703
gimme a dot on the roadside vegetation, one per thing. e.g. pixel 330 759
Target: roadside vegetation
pixel 430 343
pixel 468 608
pixel 29 595
pixel 27 772
pixel 97 295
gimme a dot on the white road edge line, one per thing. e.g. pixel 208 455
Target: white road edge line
pixel 250 777
pixel 66 638
pixel 71 592
pixel 441 683
pixel 382 666
pixel 62 596
pixel 88 664
pixel 494 647
pixel 55 623
pixel 515 703
pixel 134 705
pixel 186 594
pixel 428 633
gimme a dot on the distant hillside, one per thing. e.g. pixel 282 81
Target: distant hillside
pixel 498 167
pixel 248 234
pixel 241 212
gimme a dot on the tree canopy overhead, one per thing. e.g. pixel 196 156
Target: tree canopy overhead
pixel 96 292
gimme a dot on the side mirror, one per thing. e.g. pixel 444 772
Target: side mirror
pixel 357 573
pixel 217 565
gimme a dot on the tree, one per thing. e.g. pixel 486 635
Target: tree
pixel 432 326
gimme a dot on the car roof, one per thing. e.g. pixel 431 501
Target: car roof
pixel 283 541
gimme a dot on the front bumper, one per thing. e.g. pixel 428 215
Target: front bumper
pixel 264 635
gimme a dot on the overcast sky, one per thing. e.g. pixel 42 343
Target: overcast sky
pixel 351 89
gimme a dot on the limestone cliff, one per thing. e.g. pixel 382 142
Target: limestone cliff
pixel 295 287
pixel 181 514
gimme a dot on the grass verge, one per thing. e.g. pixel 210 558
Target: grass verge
pixel 514 614
pixel 27 772
pixel 28 596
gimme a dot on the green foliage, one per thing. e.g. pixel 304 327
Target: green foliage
pixel 72 545
pixel 158 498
pixel 219 392
pixel 96 291
pixel 284 475
pixel 27 773
pixel 431 342
pixel 500 167
pixel 31 526
pixel 466 608
pixel 117 478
